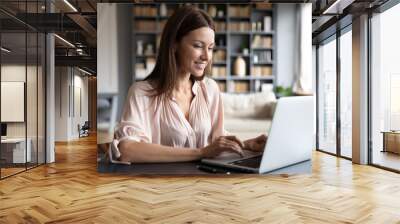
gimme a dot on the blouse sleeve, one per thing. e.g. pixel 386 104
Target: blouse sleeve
pixel 216 110
pixel 134 123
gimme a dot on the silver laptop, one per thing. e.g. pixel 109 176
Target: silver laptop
pixel 290 139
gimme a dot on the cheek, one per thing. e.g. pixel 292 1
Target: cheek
pixel 195 54
pixel 192 56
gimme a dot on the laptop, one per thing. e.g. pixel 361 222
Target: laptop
pixel 290 140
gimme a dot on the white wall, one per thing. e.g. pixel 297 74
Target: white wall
pixel 286 38
pixel 33 126
pixel 15 72
pixel 79 117
pixel 67 116
pixel 82 82
pixel 114 51
pixel 107 48
pixel 61 104
pixel 314 68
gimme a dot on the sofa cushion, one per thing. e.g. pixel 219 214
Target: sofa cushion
pixel 249 105
pixel 246 128
pixel 244 124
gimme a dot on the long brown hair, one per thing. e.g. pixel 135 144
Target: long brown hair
pixel 165 73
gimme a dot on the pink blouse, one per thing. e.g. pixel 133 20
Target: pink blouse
pixel 153 120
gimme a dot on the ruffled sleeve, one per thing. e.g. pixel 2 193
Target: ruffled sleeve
pixel 134 124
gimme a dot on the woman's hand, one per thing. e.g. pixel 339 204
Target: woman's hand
pixel 256 144
pixel 221 144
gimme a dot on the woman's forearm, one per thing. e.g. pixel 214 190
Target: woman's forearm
pixel 140 152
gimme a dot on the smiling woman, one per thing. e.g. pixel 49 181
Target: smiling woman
pixel 176 113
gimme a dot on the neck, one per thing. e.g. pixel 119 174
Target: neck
pixel 184 83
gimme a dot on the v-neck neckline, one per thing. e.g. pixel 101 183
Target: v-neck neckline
pixel 187 121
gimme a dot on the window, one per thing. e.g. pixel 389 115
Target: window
pixel 346 93
pixel 327 96
pixel 385 89
pixel 333 77
pixel 22 65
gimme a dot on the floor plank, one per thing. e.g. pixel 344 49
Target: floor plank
pixel 72 191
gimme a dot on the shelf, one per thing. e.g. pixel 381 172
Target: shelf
pixel 219 63
pixel 239 18
pixel 263 78
pixel 263 33
pixel 145 17
pixel 219 78
pixel 251 33
pixel 220 48
pixel 240 32
pixel 234 32
pixel 239 54
pixel 262 49
pixel 262 10
pixel 264 63
pixel 219 18
pixel 245 78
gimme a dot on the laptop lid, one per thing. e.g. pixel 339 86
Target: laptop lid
pixel 290 139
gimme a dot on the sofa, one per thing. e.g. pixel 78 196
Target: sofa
pixel 248 115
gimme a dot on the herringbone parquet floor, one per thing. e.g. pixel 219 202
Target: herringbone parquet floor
pixel 71 191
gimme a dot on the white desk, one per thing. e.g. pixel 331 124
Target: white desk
pixel 16 147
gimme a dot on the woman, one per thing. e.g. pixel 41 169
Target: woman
pixel 176 114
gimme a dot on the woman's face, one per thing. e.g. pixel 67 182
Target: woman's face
pixel 195 50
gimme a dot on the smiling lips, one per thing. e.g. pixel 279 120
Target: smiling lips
pixel 200 65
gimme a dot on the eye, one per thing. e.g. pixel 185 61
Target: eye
pixel 210 48
pixel 198 46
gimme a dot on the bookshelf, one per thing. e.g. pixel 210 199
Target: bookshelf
pixel 243 31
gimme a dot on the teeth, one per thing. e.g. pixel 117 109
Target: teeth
pixel 200 65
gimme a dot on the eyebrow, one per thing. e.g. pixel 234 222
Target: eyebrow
pixel 213 43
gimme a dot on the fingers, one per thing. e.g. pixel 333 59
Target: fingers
pixel 259 147
pixel 229 145
pixel 257 144
pixel 236 149
pixel 262 137
pixel 237 140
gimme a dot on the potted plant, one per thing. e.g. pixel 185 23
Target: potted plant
pixel 282 91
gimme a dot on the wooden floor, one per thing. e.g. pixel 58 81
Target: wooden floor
pixel 387 159
pixel 10 171
pixel 71 191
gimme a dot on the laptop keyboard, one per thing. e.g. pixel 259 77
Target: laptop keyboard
pixel 253 162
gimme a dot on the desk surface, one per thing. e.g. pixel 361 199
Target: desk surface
pixel 13 140
pixel 179 168
pixel 390 132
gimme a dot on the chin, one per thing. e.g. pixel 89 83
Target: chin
pixel 197 74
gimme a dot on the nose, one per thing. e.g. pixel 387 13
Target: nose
pixel 206 54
